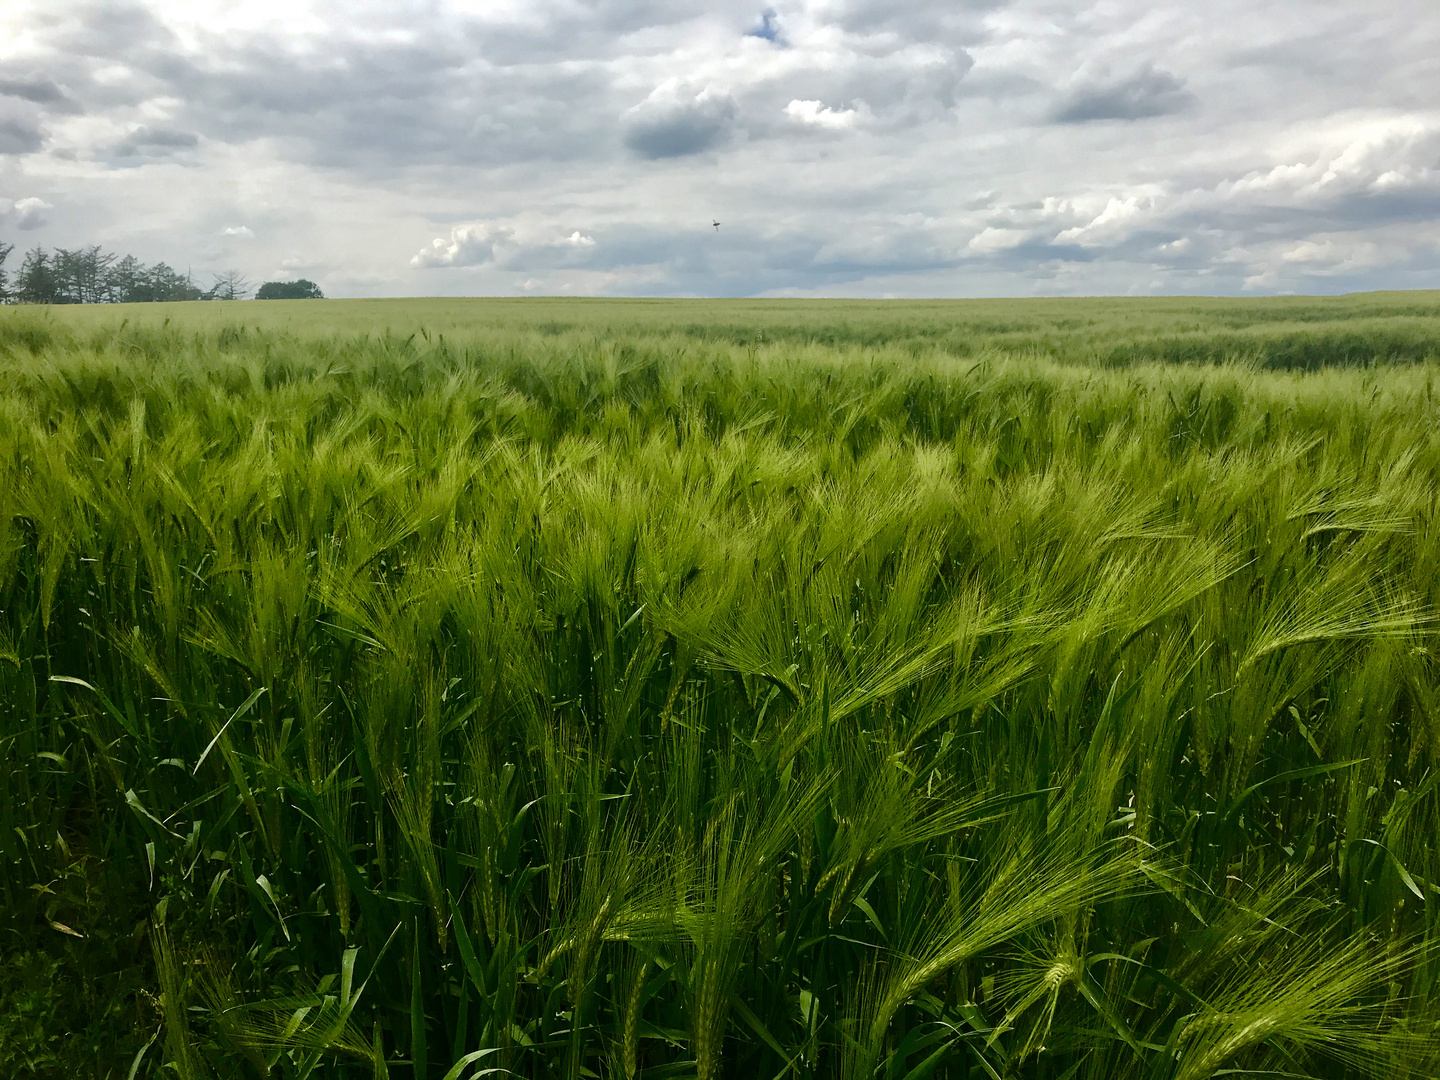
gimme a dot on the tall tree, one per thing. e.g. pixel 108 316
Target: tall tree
pixel 89 275
pixel 81 275
pixel 231 285
pixel 35 284
pixel 128 284
pixel 169 284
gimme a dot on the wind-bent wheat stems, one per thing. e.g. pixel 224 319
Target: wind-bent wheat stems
pixel 634 699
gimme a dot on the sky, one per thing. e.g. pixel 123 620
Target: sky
pixel 848 148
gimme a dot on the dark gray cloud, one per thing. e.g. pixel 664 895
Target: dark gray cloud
pixel 1148 92
pixel 19 136
pixel 675 121
pixel 492 93
pixel 154 142
pixel 432 97
pixel 39 90
pixel 25 214
pixel 767 28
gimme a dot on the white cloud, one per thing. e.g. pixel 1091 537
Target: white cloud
pixel 30 213
pixel 1373 153
pixel 297 265
pixel 1332 255
pixel 244 232
pixel 505 245
pixel 817 114
pixel 990 240
pixel 468 245
pixel 1111 223
pixel 1309 251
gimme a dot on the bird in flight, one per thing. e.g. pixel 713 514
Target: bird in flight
pixel 716 224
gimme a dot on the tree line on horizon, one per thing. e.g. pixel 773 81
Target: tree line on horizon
pixel 90 275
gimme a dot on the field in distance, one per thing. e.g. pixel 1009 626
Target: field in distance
pixel 569 688
pixel 1295 332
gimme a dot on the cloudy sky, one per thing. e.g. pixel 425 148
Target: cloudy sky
pixel 848 147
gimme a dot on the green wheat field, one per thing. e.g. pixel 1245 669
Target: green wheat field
pixel 654 689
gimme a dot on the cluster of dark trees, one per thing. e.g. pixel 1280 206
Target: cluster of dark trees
pixel 91 276
pixel 303 289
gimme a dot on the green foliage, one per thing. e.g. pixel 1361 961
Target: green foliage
pixel 92 276
pixel 594 690
pixel 303 289
pixel 62 1017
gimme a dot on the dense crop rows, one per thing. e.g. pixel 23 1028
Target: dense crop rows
pixel 583 703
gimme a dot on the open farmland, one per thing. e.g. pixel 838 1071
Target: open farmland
pixel 566 689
